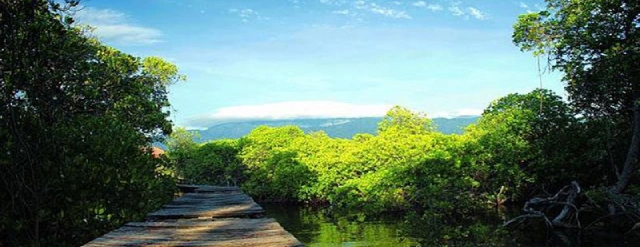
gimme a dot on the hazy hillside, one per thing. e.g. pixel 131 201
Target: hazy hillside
pixel 334 127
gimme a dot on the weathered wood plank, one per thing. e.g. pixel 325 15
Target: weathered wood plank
pixel 212 216
pixel 193 201
pixel 230 223
pixel 216 189
pixel 281 238
pixel 214 205
pixel 208 188
pixel 165 235
pixel 213 197
pixel 273 241
pixel 222 211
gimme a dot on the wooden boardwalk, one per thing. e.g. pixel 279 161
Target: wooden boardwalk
pixel 204 216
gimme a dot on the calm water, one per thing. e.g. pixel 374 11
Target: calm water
pixel 318 227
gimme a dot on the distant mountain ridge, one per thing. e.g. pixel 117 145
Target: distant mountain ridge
pixel 334 127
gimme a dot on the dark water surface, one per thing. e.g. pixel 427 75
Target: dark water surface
pixel 318 227
pixel 323 227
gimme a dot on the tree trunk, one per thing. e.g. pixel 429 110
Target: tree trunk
pixel 632 154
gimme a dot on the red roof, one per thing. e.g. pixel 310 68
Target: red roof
pixel 156 151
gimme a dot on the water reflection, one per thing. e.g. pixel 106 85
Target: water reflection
pixel 319 227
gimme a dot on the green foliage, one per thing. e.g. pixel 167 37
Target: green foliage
pixel 407 165
pixel 182 147
pixel 595 44
pixel 522 145
pixel 76 120
pixel 214 162
pixel 272 167
pixel 529 142
pixel 403 119
pixel 163 72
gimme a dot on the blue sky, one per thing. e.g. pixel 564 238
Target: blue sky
pixel 325 58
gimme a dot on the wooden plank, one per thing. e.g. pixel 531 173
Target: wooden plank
pixel 227 232
pixel 137 233
pixel 270 241
pixel 217 189
pixel 207 188
pixel 213 205
pixel 214 223
pixel 214 195
pixel 212 216
pixel 191 201
pixel 193 196
pixel 223 211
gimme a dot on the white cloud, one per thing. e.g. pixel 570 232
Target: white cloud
pixel 306 110
pixel 381 10
pixel 455 10
pixel 420 4
pixel 389 12
pixel 457 113
pixel 335 2
pixel 295 3
pixel 360 6
pixel 289 110
pixel 477 13
pixel 102 16
pixel 466 12
pixel 115 26
pixel 360 3
pixel 431 6
pixel 435 7
pixel 342 12
pixel 128 34
pixel 524 5
pixel 246 14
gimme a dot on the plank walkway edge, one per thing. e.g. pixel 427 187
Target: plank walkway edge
pixel 203 216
